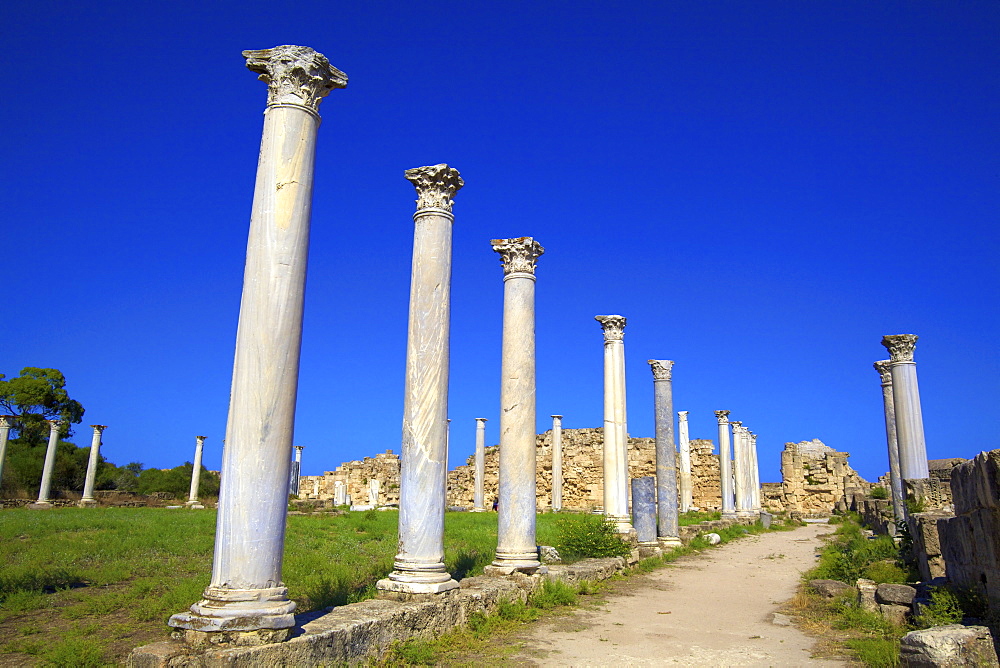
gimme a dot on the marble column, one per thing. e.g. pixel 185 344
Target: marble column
pixel 419 565
pixel 246 599
pixel 755 500
pixel 684 468
pixel 479 494
pixel 644 511
pixel 88 499
pixel 725 466
pixel 294 481
pixel 741 469
pixel 517 549
pixel 339 493
pixel 615 427
pixel 884 369
pixel 447 451
pixel 44 491
pixel 557 474
pixel 666 454
pixel 906 403
pixel 199 447
pixel 6 422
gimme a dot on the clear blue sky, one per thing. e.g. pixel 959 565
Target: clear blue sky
pixel 763 188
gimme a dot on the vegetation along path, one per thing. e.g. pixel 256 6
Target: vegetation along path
pixel 712 609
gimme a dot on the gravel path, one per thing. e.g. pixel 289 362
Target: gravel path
pixel 712 609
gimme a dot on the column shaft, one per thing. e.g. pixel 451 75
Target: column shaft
pixel 615 427
pixel 557 474
pixel 895 478
pixel 686 492
pixel 666 458
pixel 5 425
pixel 44 491
pixel 92 463
pixel 725 467
pixel 479 494
pixel 906 404
pixel 755 499
pixel 199 445
pixel 644 510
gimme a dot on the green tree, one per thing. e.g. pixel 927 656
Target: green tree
pixel 35 396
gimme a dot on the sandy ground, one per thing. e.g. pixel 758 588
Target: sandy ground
pixel 713 609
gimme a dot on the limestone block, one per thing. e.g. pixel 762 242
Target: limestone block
pixel 952 645
pixel 830 588
pixel 895 614
pixel 866 595
pixel 895 594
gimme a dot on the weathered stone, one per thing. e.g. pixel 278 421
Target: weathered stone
pixel 830 588
pixel 896 614
pixel 947 646
pixel 895 594
pixel 779 619
pixel 713 538
pixel 866 595
pixel 548 555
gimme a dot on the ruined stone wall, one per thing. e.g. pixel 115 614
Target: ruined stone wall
pixel 816 479
pixel 356 475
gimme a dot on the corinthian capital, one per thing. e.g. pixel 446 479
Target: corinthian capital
pixel 436 185
pixel 662 369
pixel 613 326
pixel 518 256
pixel 99 428
pixel 722 416
pixel 900 346
pixel 682 416
pixel 295 75
pixel 6 421
pixel 884 371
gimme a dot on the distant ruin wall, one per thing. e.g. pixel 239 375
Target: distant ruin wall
pixel 816 479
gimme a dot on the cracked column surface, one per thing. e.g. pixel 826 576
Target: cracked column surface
pixel 246 593
pixel 666 454
pixel 88 499
pixel 419 565
pixel 884 368
pixel 725 467
pixel 684 465
pixel 557 475
pixel 615 425
pixel 906 404
pixel 517 549
pixel 479 500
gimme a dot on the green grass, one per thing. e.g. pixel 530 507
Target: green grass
pixel 697 516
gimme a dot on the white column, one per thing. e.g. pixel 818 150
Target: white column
pixel 906 403
pixel 725 466
pixel 419 565
pixel 199 446
pixel 884 369
pixel 517 549
pixel 44 490
pixel 246 598
pixel 666 455
pixel 683 434
pixel 479 495
pixel 742 475
pixel 6 422
pixel 755 504
pixel 88 499
pixel 447 451
pixel 557 474
pixel 615 428
pixel 295 480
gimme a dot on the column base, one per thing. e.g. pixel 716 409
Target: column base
pixel 495 570
pixel 508 563
pixel 730 515
pixel 239 638
pixel 194 505
pixel 87 503
pixel 478 510
pixel 399 590
pixel 40 505
pixel 623 523
pixel 669 542
pixel 238 610
pixel 746 513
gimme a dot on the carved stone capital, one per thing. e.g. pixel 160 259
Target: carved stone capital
pixel 662 369
pixel 900 346
pixel 200 439
pixel 295 75
pixel 482 419
pixel 98 428
pixel 613 326
pixel 7 421
pixel 682 416
pixel 54 425
pixel 737 424
pixel 436 185
pixel 884 368
pixel 518 255
pixel 722 416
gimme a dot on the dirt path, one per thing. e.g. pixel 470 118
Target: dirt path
pixel 713 609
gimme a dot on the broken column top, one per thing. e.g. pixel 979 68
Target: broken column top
pixel 295 75
pixel 436 185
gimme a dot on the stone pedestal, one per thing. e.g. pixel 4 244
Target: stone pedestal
pixel 419 565
pixel 478 499
pixel 516 545
pixel 192 502
pixel 44 491
pixel 725 467
pixel 615 425
pixel 684 464
pixel 557 474
pixel 666 457
pixel 884 368
pixel 644 515
pixel 246 594
pixel 906 404
pixel 88 500
pixel 6 422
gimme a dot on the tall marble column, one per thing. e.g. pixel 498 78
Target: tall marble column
pixel 88 499
pixel 517 549
pixel 615 426
pixel 246 599
pixel 447 451
pixel 44 491
pixel 725 466
pixel 6 422
pixel 644 512
pixel 884 369
pixel 741 469
pixel 199 447
pixel 755 500
pixel 666 453
pixel 419 565
pixel 557 474
pixel 684 468
pixel 294 481
pixel 479 494
pixel 906 403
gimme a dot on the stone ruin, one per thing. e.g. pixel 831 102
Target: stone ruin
pixel 816 479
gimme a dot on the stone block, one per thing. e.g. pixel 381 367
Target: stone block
pixel 866 595
pixel 895 594
pixel 947 646
pixel 830 588
pixel 895 614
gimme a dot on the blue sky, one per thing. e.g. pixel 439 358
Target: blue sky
pixel 763 189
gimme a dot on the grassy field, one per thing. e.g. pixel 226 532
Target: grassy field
pixel 82 587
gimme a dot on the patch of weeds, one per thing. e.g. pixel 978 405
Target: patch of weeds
pixel 876 652
pixel 29 629
pixel 554 593
pixel 76 653
pixel 943 609
pixel 586 588
pixel 24 601
pixel 886 571
pixel 878 493
pixel 416 652
pixel 649 565
pixel 586 535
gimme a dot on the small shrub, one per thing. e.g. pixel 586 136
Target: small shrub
pixel 554 593
pixel 585 535
pixel 885 571
pixel 416 652
pixel 876 652
pixel 915 505
pixel 878 493
pixel 944 608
